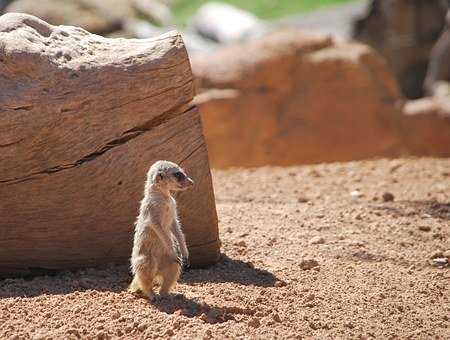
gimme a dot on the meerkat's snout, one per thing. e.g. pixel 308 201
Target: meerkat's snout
pixel 183 181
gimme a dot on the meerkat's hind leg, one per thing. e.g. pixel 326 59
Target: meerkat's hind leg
pixel 134 286
pixel 139 288
pixel 170 273
pixel 143 281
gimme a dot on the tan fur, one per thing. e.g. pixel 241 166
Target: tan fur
pixel 158 235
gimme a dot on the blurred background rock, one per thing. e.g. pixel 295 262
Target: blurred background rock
pixel 407 92
pixel 404 32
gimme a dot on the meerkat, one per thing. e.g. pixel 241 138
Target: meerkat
pixel 158 237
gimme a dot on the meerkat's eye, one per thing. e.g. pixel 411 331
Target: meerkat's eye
pixel 179 176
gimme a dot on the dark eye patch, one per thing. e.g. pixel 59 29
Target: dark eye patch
pixel 179 175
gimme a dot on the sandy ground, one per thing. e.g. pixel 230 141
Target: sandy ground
pixel 372 278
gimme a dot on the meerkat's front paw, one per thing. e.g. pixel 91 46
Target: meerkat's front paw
pixel 186 264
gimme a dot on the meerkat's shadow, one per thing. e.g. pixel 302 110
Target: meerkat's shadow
pixel 231 270
pixel 225 270
pixel 178 303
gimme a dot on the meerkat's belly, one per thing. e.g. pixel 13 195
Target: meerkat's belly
pixel 168 217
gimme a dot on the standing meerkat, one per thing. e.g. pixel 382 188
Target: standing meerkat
pixel 158 235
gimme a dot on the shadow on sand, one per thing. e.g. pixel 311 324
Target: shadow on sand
pixel 231 270
pixel 431 208
pixel 110 278
pixel 116 278
pixel 191 307
pixel 226 270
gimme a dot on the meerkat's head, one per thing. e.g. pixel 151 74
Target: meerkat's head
pixel 168 175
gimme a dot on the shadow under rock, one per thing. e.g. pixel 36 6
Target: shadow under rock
pixel 231 270
pixel 432 208
pixel 112 278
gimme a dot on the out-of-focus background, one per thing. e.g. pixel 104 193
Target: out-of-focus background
pixel 294 81
pixel 349 249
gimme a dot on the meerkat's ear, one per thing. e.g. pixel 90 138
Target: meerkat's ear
pixel 159 177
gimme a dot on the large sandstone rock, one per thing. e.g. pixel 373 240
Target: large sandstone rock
pixel 294 98
pixel 81 120
pixel 404 32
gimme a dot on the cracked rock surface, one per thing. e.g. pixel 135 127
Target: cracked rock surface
pixel 82 118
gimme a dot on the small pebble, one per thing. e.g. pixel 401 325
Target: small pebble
pixel 276 317
pixel 204 317
pixel 317 240
pixel 310 297
pixel 440 262
pixel 241 244
pixel 356 194
pixel 254 322
pixel 424 228
pixel 74 332
pixel 388 197
pixel 306 264
pixel 142 327
pixel 102 335
pixel 313 325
